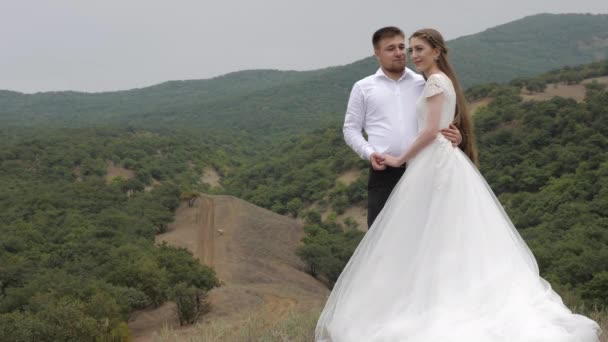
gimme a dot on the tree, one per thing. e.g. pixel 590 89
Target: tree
pixel 294 206
pixel 191 303
pixel 596 289
pixel 189 196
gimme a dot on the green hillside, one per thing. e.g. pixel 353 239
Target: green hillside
pixel 77 252
pixel 286 101
pixel 529 46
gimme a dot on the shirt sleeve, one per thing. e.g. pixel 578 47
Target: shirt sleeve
pixel 432 87
pixel 353 124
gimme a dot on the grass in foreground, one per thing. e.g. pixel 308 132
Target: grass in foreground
pixel 295 327
pixel 299 327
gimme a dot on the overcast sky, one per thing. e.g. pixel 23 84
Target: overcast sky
pixel 121 44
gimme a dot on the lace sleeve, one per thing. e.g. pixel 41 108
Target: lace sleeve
pixel 432 86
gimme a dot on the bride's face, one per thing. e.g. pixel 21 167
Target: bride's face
pixel 422 54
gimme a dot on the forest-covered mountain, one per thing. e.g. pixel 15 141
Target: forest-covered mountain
pixel 529 46
pixel 64 222
pixel 77 251
pixel 278 101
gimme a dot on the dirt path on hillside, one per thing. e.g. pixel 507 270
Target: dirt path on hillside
pixel 252 252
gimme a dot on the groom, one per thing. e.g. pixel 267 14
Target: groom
pixel 384 105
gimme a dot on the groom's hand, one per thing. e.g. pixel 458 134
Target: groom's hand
pixel 452 134
pixel 392 161
pixel 377 161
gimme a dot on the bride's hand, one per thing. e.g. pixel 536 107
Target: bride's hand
pixel 392 161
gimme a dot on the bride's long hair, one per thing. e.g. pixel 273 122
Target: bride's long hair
pixel 462 117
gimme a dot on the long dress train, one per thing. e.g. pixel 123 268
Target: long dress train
pixel 443 262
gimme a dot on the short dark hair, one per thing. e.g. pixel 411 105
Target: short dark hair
pixel 386 32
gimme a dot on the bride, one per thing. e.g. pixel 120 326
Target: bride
pixel 443 261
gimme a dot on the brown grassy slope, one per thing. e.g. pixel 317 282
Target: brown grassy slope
pixel 252 251
pixel 569 91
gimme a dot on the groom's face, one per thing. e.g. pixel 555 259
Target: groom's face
pixel 390 53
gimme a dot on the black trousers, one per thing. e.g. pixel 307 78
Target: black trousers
pixel 379 186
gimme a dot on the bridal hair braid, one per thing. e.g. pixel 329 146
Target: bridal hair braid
pixel 462 117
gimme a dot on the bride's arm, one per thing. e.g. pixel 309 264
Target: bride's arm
pixel 425 136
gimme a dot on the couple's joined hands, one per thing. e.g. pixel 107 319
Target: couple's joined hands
pixel 381 161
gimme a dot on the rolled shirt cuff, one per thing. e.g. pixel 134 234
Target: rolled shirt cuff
pixel 367 153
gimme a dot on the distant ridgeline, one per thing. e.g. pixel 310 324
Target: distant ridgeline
pixel 283 102
pixel 548 163
pixel 529 46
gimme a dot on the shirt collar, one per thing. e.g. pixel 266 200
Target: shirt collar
pixel 407 73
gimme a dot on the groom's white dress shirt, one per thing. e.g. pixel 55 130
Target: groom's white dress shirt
pixel 386 109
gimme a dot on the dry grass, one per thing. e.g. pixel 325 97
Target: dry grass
pixel 348 177
pixel 252 251
pixel 113 171
pixel 475 105
pixel 358 214
pixel 600 315
pixel 211 177
pixel 77 173
pixel 571 91
pixel 601 79
pixel 295 327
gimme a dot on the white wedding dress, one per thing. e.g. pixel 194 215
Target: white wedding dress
pixel 443 262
